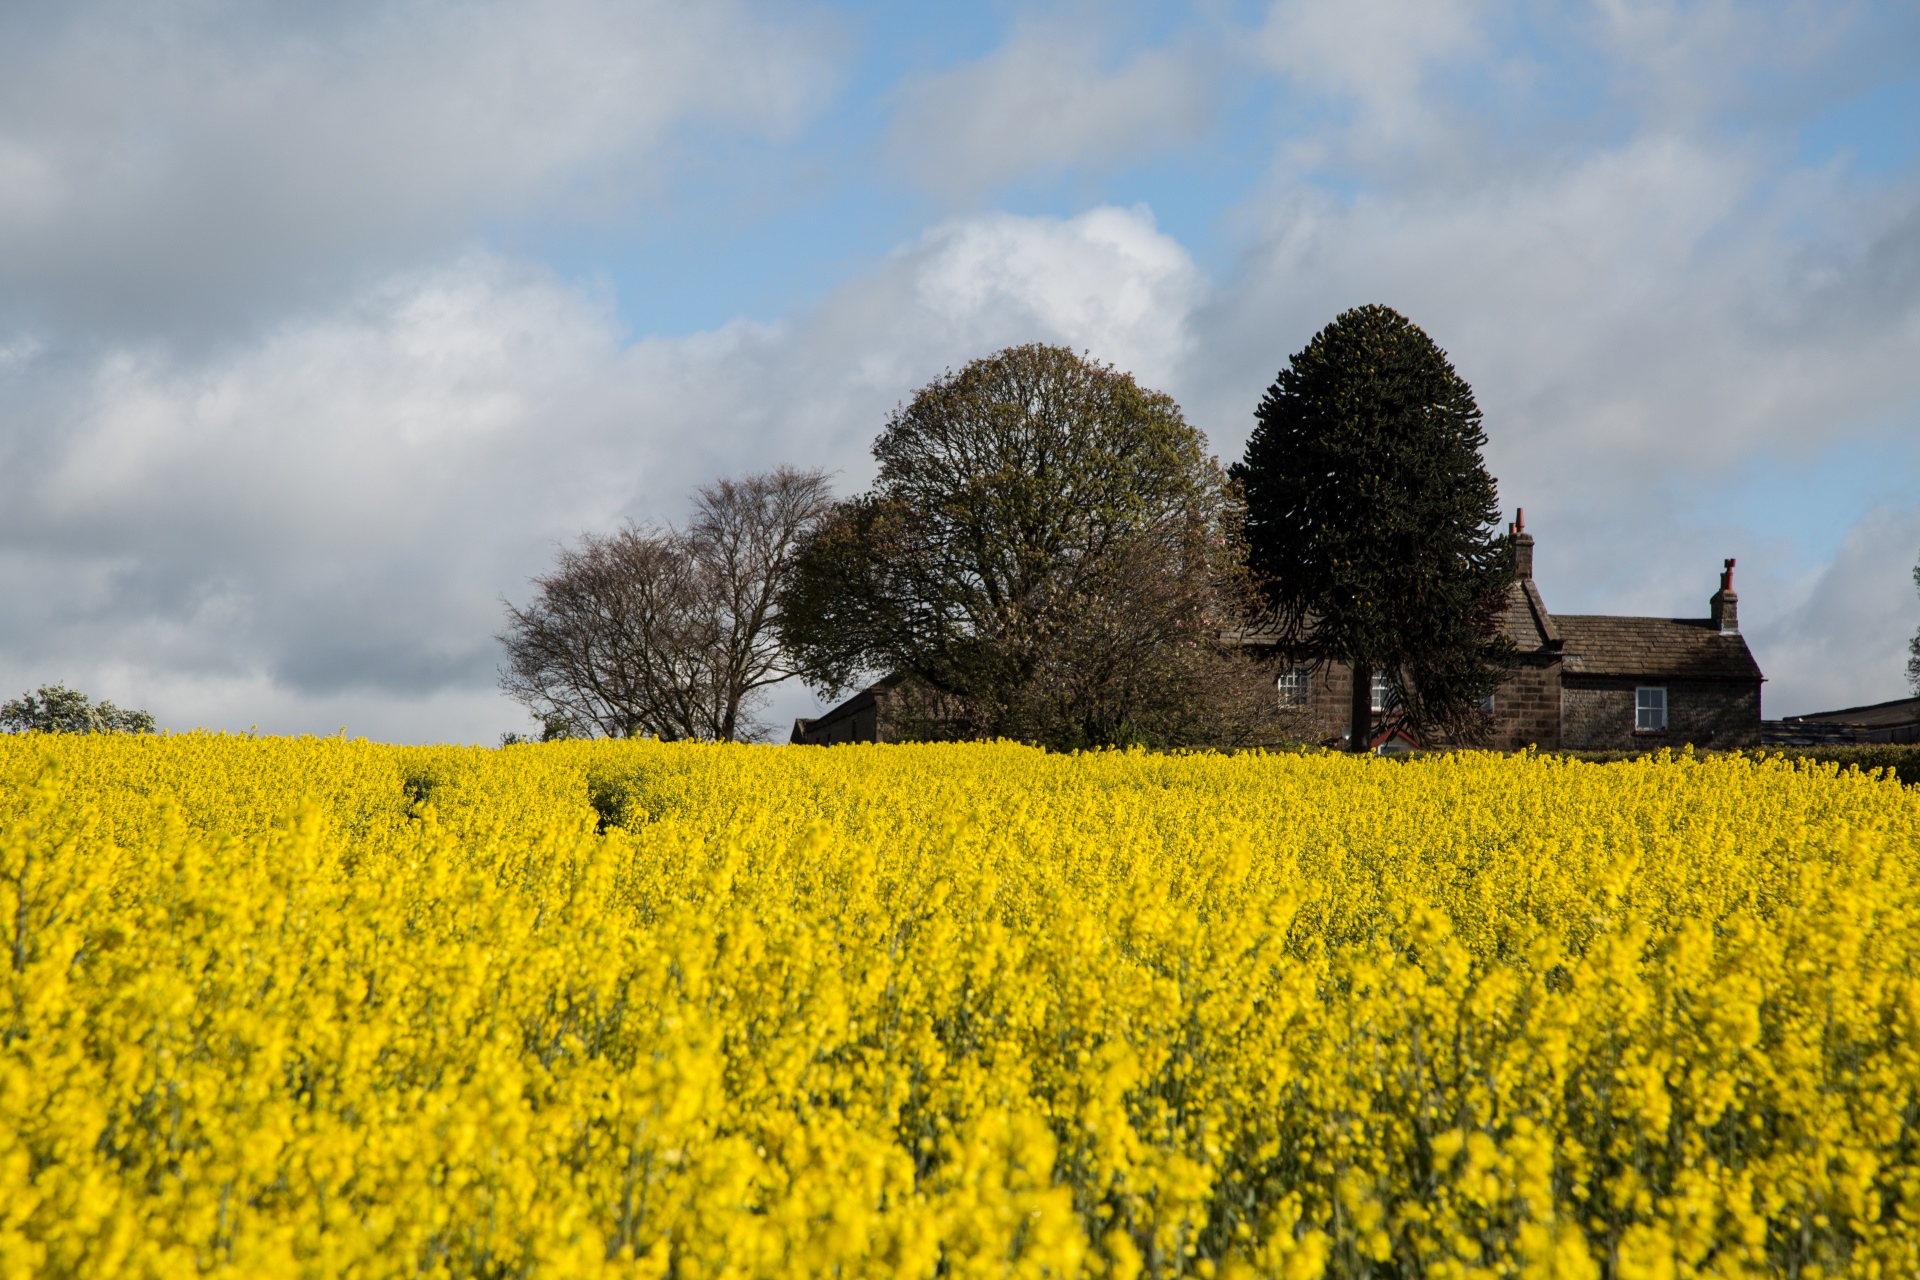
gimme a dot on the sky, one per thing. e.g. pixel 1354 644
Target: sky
pixel 323 326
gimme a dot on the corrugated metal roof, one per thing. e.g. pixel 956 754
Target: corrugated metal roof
pixel 1899 711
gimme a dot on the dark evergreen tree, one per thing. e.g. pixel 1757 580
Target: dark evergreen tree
pixel 1371 523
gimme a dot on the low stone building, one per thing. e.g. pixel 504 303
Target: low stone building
pixel 861 718
pixel 1590 682
pixel 1880 722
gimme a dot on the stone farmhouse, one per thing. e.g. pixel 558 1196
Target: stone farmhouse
pixel 1586 682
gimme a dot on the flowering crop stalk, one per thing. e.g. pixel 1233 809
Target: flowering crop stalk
pixel 310 1007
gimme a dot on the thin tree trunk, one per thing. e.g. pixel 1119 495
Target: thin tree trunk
pixel 1360 732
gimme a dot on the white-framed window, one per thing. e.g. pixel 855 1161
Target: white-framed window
pixel 1296 686
pixel 1649 710
pixel 1382 692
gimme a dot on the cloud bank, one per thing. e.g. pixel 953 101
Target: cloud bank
pixel 281 422
pixel 1046 101
pixel 322 523
pixel 162 162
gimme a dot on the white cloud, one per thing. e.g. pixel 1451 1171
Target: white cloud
pixel 158 157
pixel 1106 280
pixel 1376 51
pixel 315 528
pixel 1044 102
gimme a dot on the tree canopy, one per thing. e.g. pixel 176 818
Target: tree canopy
pixel 54 708
pixel 1045 555
pixel 1913 647
pixel 1371 521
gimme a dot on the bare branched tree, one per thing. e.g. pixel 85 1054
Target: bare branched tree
pixel 741 539
pixel 668 633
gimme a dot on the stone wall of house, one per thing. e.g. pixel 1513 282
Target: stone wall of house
pixel 1722 716
pixel 1597 714
pixel 1526 709
pixel 1330 705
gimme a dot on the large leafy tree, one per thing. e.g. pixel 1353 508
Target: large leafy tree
pixel 1045 555
pixel 1371 522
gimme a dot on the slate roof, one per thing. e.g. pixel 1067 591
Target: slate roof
pixel 803 727
pixel 1528 623
pixel 1600 645
pixel 1667 648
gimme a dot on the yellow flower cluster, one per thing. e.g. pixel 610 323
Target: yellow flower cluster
pixel 318 1008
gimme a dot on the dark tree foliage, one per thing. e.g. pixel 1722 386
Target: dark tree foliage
pixel 666 633
pixel 1913 647
pixel 1046 555
pixel 54 708
pixel 1372 521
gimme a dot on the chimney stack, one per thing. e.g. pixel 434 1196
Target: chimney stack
pixel 1725 605
pixel 1522 545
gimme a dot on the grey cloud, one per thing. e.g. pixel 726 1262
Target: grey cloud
pixel 1882 285
pixel 1636 316
pixel 1683 65
pixel 1845 643
pixel 1374 52
pixel 334 664
pixel 1045 102
pixel 174 159
pixel 1453 94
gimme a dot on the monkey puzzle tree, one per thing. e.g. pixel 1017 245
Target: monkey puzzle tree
pixel 1371 522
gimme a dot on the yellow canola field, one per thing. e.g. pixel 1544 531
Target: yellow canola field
pixel 324 1008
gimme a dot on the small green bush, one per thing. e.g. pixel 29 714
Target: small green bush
pixel 54 708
